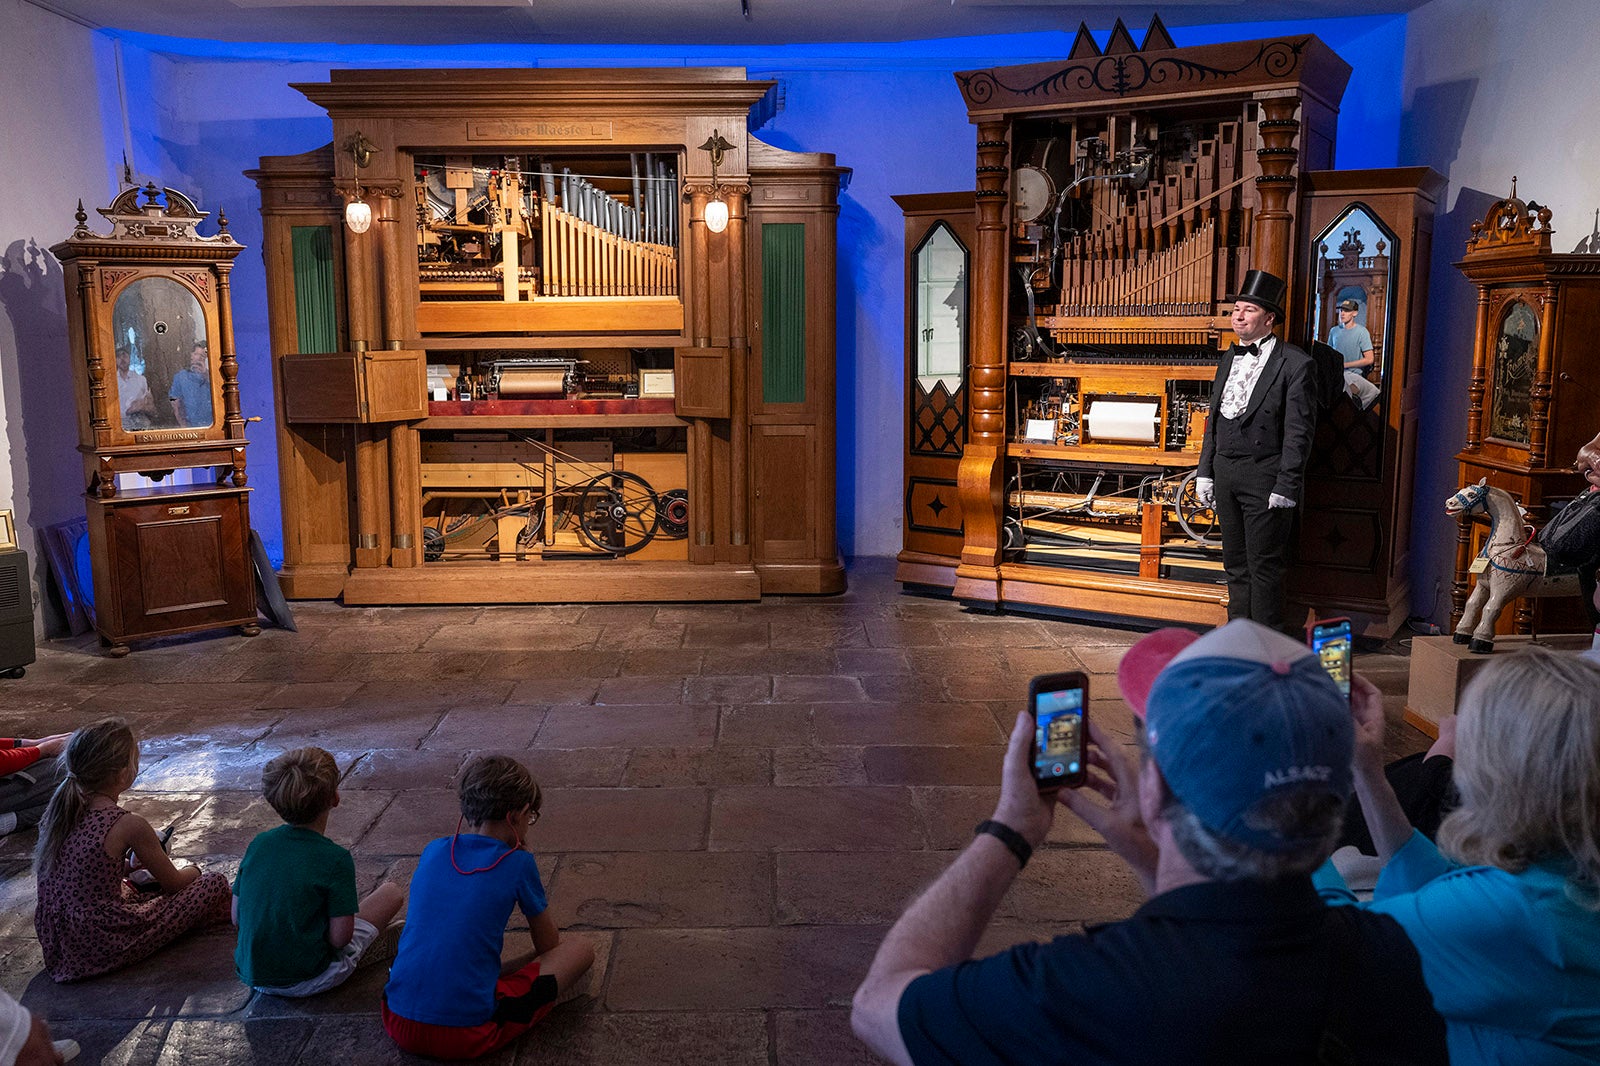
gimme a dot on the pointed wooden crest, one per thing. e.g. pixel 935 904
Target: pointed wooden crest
pixel 1083 46
pixel 1121 42
pixel 1156 36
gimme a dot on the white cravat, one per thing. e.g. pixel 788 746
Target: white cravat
pixel 1242 378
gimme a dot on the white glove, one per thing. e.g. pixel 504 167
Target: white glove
pixel 1204 492
pixel 1274 502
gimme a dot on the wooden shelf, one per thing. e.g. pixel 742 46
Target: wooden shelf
pixel 1103 453
pixel 1155 372
pixel 488 341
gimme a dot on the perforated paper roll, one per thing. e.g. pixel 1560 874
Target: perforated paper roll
pixel 516 384
pixel 1131 421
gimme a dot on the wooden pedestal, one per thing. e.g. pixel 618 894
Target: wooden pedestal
pixel 171 562
pixel 1441 668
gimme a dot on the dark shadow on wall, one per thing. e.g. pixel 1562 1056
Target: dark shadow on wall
pixel 41 410
pixel 857 230
pixel 1431 133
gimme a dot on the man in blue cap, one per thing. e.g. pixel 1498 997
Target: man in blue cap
pixel 1258 439
pixel 1234 958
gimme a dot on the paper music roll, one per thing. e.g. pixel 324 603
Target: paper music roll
pixel 1123 420
pixel 521 384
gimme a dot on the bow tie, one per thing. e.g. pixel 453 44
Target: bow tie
pixel 1247 349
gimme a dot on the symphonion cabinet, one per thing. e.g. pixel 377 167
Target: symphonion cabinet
pixel 1122 193
pixel 548 335
pixel 1535 385
pixel 149 319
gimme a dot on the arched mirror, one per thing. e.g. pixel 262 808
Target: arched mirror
pixel 939 317
pixel 164 366
pixel 1355 263
pixel 1516 353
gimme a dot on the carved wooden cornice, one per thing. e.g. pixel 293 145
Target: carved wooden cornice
pixel 163 226
pixel 1089 79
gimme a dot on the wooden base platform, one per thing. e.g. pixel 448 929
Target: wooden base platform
pixel 1441 668
pixel 596 580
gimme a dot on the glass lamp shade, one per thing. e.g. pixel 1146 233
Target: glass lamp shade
pixel 716 216
pixel 358 216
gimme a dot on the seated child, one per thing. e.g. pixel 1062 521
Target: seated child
pixel 90 919
pixel 294 901
pixel 449 996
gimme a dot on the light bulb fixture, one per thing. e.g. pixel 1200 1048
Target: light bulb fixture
pixel 358 214
pixel 717 214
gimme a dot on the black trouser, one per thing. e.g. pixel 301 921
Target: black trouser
pixel 1255 538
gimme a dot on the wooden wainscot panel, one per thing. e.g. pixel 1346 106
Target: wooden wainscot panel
pixel 373 386
pixel 701 377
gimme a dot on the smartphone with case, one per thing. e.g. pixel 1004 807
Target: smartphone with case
pixel 1059 704
pixel 1334 648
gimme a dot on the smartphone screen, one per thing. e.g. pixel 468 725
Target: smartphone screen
pixel 1331 643
pixel 1059 703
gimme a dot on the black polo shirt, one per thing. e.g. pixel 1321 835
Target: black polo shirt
pixel 1247 972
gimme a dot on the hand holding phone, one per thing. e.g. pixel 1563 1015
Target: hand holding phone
pixel 1331 641
pixel 1059 704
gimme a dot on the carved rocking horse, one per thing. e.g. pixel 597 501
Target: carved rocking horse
pixel 1510 565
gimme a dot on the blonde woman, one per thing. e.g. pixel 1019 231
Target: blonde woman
pixel 1505 911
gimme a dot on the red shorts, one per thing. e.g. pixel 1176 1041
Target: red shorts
pixel 470 1041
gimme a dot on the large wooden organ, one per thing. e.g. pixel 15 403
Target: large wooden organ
pixel 1121 197
pixel 546 335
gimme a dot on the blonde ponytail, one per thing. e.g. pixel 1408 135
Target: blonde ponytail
pixel 95 755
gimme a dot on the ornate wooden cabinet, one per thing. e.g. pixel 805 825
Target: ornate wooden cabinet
pixel 150 322
pixel 1533 396
pixel 1121 197
pixel 1368 239
pixel 552 335
pixel 940 237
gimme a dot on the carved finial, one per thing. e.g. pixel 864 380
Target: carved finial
pixel 1513 186
pixel 82 216
pixel 222 220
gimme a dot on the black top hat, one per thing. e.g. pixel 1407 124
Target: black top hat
pixel 1264 290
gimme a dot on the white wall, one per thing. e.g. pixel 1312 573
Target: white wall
pixel 1489 93
pixel 55 152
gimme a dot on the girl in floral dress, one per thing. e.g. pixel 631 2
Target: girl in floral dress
pixel 90 919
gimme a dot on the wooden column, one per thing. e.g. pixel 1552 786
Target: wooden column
pixel 982 462
pixel 1480 368
pixel 1543 380
pixel 738 199
pixel 405 513
pixel 1276 156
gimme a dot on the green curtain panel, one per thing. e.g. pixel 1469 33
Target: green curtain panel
pixel 315 318
pixel 783 312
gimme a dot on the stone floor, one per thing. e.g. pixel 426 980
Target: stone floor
pixel 739 799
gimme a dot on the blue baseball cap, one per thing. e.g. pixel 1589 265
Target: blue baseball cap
pixel 1235 716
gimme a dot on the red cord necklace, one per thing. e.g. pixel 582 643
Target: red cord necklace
pixel 482 869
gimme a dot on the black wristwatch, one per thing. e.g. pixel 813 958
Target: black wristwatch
pixel 1008 836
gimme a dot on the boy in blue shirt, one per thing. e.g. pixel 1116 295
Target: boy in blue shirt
pixel 294 901
pixel 449 995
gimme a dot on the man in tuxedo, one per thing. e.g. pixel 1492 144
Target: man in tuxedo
pixel 1253 460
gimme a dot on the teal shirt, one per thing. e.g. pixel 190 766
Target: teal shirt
pixel 291 882
pixel 1512 960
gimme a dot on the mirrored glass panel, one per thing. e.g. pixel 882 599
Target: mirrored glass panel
pixel 1354 268
pixel 1516 351
pixel 941 310
pixel 164 364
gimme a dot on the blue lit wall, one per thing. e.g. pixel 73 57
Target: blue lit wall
pixel 208 110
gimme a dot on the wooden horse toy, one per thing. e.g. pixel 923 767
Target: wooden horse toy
pixel 1510 565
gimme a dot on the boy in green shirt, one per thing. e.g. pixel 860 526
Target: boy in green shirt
pixel 294 901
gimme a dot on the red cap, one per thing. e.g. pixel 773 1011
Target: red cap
pixel 1142 662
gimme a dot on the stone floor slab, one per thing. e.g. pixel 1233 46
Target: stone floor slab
pixel 710 767
pixel 661 890
pixel 814 819
pixel 674 725
pixel 720 969
pixel 622 819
